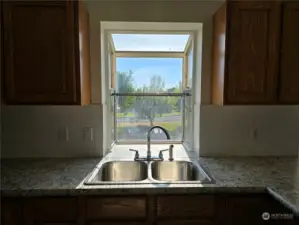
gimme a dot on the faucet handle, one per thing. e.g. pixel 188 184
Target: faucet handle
pixel 136 153
pixel 161 153
pixel 171 153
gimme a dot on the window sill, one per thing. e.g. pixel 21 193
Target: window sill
pixel 122 151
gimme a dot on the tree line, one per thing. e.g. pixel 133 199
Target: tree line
pixel 146 107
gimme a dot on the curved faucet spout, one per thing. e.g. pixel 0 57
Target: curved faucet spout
pixel 149 138
pixel 154 127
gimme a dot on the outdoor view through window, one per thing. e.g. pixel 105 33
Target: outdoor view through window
pixel 139 77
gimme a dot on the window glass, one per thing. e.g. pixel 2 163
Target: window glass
pixel 150 42
pixel 135 114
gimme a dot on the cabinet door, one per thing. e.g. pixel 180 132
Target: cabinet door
pixel 51 211
pixel 39 49
pixel 54 223
pixel 289 70
pixel 185 222
pixel 118 207
pixel 247 210
pixel 117 223
pixel 253 32
pixel 11 212
pixel 186 206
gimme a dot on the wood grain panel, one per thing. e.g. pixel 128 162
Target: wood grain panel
pixel 219 50
pixel 50 210
pixel 40 52
pixel 289 70
pixel 84 54
pixel 116 207
pixel 185 206
pixel 57 223
pixel 253 35
pixel 11 212
pixel 185 222
pixel 248 210
pixel 117 223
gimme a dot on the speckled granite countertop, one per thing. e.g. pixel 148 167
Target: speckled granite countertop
pixel 36 177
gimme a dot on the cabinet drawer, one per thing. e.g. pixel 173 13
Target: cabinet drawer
pixel 116 207
pixel 185 206
pixel 51 209
pixel 185 222
pixel 58 223
pixel 118 223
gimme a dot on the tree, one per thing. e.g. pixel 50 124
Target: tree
pixel 147 107
pixel 175 101
pixel 124 84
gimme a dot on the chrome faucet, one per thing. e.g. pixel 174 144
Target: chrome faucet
pixel 148 153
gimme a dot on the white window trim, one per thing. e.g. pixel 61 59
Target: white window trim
pixel 151 27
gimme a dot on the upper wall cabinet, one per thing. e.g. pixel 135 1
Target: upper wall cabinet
pixel 289 63
pixel 253 53
pixel 45 53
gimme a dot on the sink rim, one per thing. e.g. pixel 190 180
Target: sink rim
pixel 89 181
pixel 208 178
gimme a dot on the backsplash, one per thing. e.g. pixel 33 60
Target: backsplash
pixel 249 130
pixel 35 131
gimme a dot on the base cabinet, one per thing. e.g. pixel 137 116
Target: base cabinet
pixel 205 209
pixel 50 211
pixel 250 210
pixel 185 222
pixel 11 211
pixel 117 223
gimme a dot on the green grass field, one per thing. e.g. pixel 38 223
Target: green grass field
pixel 170 126
pixel 130 114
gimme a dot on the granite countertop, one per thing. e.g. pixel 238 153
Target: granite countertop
pixel 39 177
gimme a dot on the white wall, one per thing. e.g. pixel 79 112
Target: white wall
pixel 31 131
pixel 229 130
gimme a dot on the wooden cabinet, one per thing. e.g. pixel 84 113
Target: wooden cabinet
pixel 188 206
pixel 252 52
pixel 200 209
pixel 248 210
pixel 289 71
pixel 46 52
pixel 247 65
pixel 51 211
pixel 11 211
pixel 185 222
pixel 98 208
pixel 118 223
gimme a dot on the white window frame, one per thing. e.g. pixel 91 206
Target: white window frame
pixel 195 31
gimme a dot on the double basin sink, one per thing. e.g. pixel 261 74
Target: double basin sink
pixel 128 172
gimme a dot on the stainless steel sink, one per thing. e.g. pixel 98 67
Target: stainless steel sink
pixel 119 171
pixel 179 171
pixel 157 172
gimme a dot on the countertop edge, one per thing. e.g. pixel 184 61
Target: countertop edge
pixel 148 191
pixel 283 201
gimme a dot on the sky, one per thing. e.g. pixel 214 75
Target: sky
pixel 150 42
pixel 170 69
